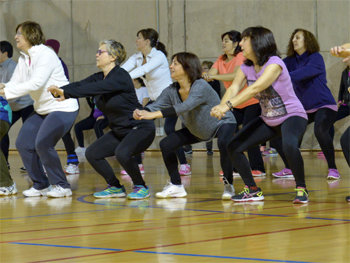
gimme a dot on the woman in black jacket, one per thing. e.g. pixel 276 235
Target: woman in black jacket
pixel 343 97
pixel 115 96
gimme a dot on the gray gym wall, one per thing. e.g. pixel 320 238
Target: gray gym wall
pixel 184 25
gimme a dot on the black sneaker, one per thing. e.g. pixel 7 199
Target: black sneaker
pixel 210 152
pixel 347 198
pixel 248 195
pixel 302 196
pixel 23 169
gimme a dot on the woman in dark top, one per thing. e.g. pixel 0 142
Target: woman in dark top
pixel 308 73
pixel 343 97
pixel 115 96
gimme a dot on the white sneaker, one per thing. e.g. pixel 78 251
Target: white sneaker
pixel 171 190
pixel 229 191
pixel 80 150
pixel 33 192
pixel 71 169
pixel 58 191
pixel 8 190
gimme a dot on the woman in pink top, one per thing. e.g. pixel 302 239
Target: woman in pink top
pixel 282 114
pixel 225 69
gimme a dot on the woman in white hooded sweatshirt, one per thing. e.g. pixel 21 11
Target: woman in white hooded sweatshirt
pixel 151 64
pixel 38 68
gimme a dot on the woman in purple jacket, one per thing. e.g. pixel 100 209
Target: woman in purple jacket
pixel 308 73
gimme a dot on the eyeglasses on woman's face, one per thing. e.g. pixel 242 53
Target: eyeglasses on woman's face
pixel 100 51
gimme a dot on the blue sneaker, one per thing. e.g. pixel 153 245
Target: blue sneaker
pixel 111 191
pixel 140 192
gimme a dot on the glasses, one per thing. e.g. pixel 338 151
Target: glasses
pixel 99 52
pixel 18 34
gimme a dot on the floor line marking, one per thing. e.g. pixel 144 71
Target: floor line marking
pixel 194 242
pixel 166 253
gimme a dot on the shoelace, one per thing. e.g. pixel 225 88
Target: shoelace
pixel 136 189
pixel 300 191
pixel 168 184
pixel 245 191
pixel 56 188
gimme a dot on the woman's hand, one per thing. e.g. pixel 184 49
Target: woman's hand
pixel 56 92
pixel 219 111
pixel 341 51
pixel 136 114
pixel 2 86
pixel 206 76
pixel 143 115
pixel 100 118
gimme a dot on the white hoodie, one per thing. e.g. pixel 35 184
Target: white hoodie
pixel 45 69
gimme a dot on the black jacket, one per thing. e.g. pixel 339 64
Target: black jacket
pixel 114 95
pixel 344 85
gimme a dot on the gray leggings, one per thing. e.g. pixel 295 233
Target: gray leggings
pixel 36 143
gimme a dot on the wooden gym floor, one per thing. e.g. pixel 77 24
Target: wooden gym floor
pixel 199 228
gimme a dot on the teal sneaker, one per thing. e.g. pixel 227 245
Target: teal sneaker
pixel 111 191
pixel 140 192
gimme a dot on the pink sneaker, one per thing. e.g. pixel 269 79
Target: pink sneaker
pixel 320 154
pixel 270 152
pixel 141 167
pixel 185 169
pixel 285 173
pixel 333 174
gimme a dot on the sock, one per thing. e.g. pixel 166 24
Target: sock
pixel 255 188
pixel 118 185
pixel 72 159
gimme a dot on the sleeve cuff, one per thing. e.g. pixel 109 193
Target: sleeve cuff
pixel 169 112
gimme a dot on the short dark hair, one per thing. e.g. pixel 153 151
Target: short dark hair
pixel 263 44
pixel 310 43
pixel 207 63
pixel 6 46
pixel 140 80
pixel 234 36
pixel 191 65
pixel 32 32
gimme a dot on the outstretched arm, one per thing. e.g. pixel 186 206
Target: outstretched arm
pixel 269 76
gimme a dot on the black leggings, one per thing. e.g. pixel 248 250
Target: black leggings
pixel 244 116
pixel 184 137
pixel 83 125
pixel 345 144
pixel 99 126
pixel 124 148
pixel 257 132
pixel 169 127
pixel 324 119
pixel 343 112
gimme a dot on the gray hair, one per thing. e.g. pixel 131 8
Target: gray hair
pixel 115 49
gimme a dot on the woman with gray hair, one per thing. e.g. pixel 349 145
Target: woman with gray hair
pixel 115 96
